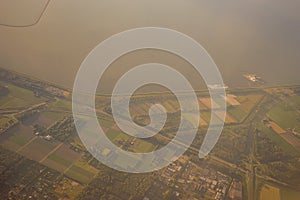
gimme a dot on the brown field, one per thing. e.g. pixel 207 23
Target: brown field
pixel 269 192
pixel 174 104
pixel 39 118
pixel 276 128
pixel 169 107
pixel 209 102
pixel 228 118
pixel 202 122
pixel 67 153
pixel 54 165
pixel 45 121
pixel 62 158
pixel 231 99
pixel 16 137
pixel 38 149
pixel 137 110
pixel 290 138
pixel 144 106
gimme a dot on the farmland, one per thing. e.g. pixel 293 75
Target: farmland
pixel 45 134
pixel 269 192
pixel 277 193
pixel 19 97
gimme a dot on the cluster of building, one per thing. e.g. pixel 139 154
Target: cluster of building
pixel 34 181
pixel 193 182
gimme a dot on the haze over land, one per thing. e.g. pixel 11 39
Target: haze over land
pixel 257 36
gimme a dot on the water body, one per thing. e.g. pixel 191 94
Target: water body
pixel 251 36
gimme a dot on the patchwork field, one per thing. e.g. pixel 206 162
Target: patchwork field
pixel 248 101
pixel 39 149
pixel 16 137
pixel 62 158
pixel 82 173
pixel 209 103
pixel 231 100
pixel 285 114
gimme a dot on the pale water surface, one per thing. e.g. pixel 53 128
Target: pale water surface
pixel 251 36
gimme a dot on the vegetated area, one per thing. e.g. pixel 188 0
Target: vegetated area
pixel 277 145
pixel 41 133
pixel 19 98
pixel 259 139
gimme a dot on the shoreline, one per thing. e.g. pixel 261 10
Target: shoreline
pixel 234 89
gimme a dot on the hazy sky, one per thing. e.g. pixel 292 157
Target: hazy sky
pixel 259 36
pixel 21 13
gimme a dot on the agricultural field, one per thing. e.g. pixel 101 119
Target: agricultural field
pixel 19 97
pixel 269 192
pixel 38 149
pixel 277 193
pixel 58 147
pixel 43 118
pixel 62 158
pixel 16 137
pixel 287 194
pixel 286 113
pixel 61 105
pixel 115 134
pixel 81 174
pixel 141 146
pixel 239 106
pixel 248 101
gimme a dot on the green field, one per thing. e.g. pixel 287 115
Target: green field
pixel 59 159
pixel 141 146
pixel 19 97
pixel 113 134
pixel 286 115
pixel 55 116
pixel 248 101
pixel 277 139
pixel 17 137
pixel 60 103
pixel 80 174
pixel 237 113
